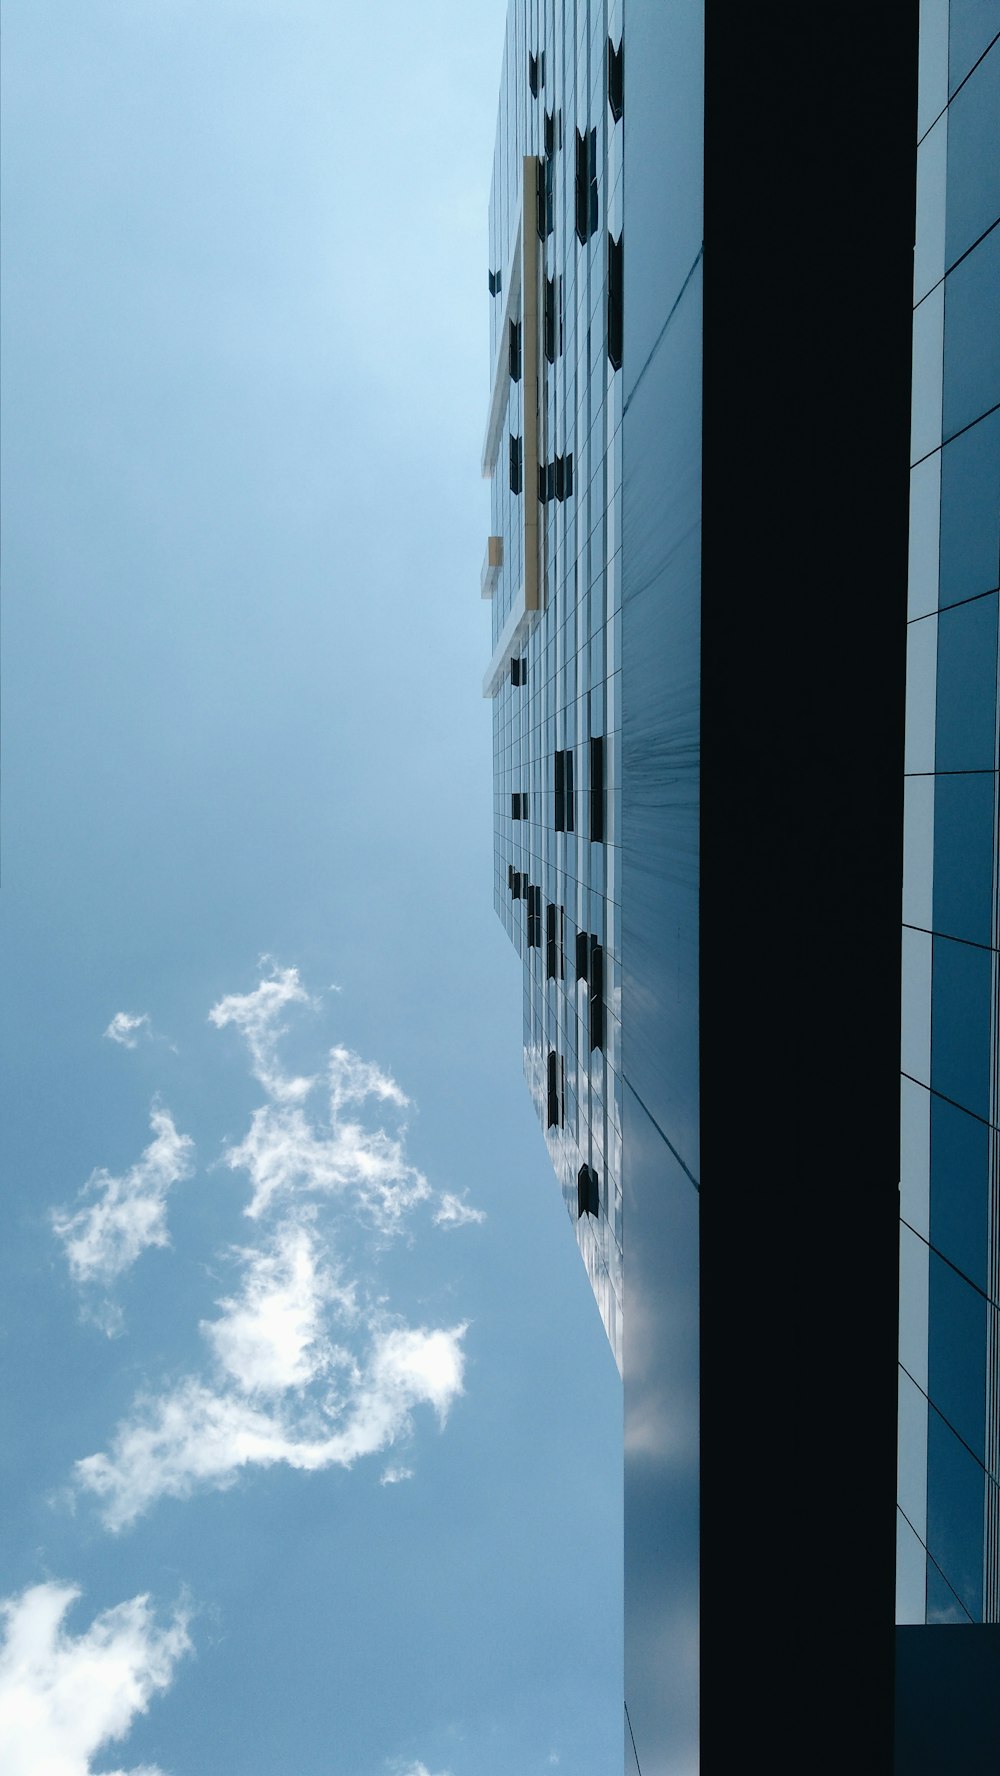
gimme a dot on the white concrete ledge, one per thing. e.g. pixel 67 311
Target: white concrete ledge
pixel 515 632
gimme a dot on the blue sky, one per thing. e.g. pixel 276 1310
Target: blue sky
pixel 312 1460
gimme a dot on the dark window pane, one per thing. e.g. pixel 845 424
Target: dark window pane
pixel 615 309
pixel 515 465
pixel 588 1192
pixel 514 350
pixel 597 788
pixel 596 994
pixel 552 1113
pixel 616 79
pixel 582 187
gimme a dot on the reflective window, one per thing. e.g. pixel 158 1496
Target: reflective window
pixel 959 1188
pixel 972 26
pixel 967 686
pixel 960 1020
pixel 963 855
pixel 955 1511
pixel 970 512
pixel 971 336
pixel 956 1353
pixel 973 158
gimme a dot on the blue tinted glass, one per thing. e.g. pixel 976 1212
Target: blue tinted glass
pixel 955 1513
pixel 972 24
pixel 973 158
pixel 960 1021
pixel 971 336
pixel 942 1606
pixel 963 856
pixel 957 1353
pixel 967 686
pixel 970 512
pixel 959 1188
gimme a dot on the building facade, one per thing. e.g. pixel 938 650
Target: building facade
pixel 701 263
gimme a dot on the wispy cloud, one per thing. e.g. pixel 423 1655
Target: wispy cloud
pixel 120 1217
pixel 64 1696
pixel 257 1016
pixel 393 1474
pixel 202 1436
pixel 272 1336
pixel 453 1211
pixel 413 1769
pixel 286 1154
pixel 127 1030
pixel 306 1365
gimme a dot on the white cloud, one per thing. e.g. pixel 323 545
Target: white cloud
pixel 198 1436
pixel 393 1474
pixel 284 1155
pixel 414 1769
pixel 64 1696
pixel 352 1080
pixel 308 1368
pixel 126 1029
pixel 453 1212
pixel 272 1336
pixel 125 1215
pixel 257 1017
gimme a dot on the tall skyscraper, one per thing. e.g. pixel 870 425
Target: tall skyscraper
pixel 701 270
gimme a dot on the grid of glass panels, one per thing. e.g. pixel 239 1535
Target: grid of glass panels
pixel 555 881
pixel 948 1523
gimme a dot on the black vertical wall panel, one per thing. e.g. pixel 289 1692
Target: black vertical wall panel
pixel 809 180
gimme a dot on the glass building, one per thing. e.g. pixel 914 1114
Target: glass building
pixel 701 284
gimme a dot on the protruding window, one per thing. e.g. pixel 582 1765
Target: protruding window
pixel 534 918
pixel 588 1192
pixel 555 927
pixel 517 883
pixel 515 464
pixel 616 79
pixel 550 132
pixel 549 320
pixel 616 312
pixel 586 184
pixel 545 202
pixel 514 350
pixel 596 994
pixel 519 670
pixel 582 955
pixel 552 1111
pixel 519 805
pixel 563 786
pixel 597 788
pixel 533 81
pixel 564 476
pixel 494 283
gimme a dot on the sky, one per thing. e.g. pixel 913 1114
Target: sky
pixel 311 1460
